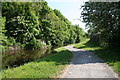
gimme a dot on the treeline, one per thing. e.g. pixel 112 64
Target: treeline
pixel 103 21
pixel 30 25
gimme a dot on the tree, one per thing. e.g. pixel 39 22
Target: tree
pixel 31 24
pixel 103 21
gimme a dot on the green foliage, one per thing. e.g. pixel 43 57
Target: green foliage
pixel 11 41
pixel 2 31
pixel 58 13
pixel 3 38
pixel 33 44
pixel 28 22
pixel 45 9
pixel 103 21
pixel 49 67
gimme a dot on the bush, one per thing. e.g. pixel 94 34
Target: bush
pixel 11 41
pixel 33 44
pixel 2 48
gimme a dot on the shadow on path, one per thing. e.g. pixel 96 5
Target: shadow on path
pixel 86 64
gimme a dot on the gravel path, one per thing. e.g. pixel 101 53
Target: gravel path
pixel 87 65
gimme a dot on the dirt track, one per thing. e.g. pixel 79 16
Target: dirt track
pixel 87 65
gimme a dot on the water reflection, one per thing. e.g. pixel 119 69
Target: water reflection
pixel 19 57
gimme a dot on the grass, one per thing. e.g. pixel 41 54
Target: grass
pixel 49 67
pixel 87 45
pixel 110 55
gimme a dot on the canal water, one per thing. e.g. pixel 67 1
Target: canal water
pixel 20 57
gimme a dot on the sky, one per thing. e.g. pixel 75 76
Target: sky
pixel 70 9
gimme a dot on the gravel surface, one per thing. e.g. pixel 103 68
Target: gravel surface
pixel 86 64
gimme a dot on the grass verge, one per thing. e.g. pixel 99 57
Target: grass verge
pixel 110 55
pixel 49 67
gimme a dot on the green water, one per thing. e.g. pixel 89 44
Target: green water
pixel 20 57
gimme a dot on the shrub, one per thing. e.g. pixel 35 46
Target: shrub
pixel 33 44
